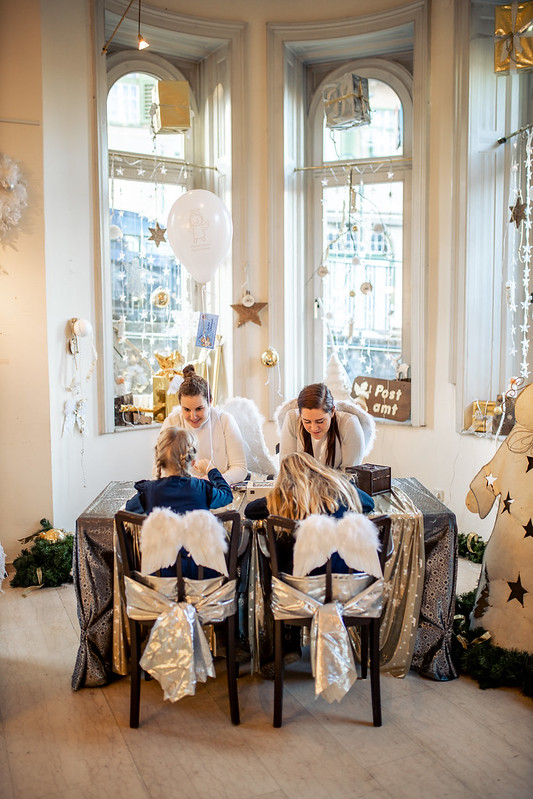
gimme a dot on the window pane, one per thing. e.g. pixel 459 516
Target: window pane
pixel 362 294
pixel 383 137
pixel 128 114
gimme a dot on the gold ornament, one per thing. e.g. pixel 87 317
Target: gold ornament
pixel 54 535
pixel 158 234
pixel 160 297
pixel 270 357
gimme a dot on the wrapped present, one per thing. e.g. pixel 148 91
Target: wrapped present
pixel 170 368
pixel 346 103
pixel 479 416
pixel 173 109
pixel 513 37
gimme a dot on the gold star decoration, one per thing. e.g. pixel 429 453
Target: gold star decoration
pixel 518 213
pixel 250 314
pixel 158 234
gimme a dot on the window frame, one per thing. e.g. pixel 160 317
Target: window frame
pixel 400 80
pixel 288 244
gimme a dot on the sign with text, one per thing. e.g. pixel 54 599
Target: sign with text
pixel 385 399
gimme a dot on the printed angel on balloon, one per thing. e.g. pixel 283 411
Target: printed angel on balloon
pixel 504 597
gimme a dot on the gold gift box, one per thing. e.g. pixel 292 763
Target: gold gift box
pixel 173 114
pixel 163 401
pixel 479 415
pixel 513 46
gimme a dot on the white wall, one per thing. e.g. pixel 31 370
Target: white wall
pixel 33 398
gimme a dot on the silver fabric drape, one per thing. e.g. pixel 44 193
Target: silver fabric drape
pixel 177 653
pixel 331 651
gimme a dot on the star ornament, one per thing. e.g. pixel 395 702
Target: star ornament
pixel 518 212
pixel 158 234
pixel 250 314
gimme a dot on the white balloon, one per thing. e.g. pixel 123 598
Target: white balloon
pixel 199 230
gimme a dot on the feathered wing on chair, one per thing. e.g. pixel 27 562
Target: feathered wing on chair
pixel 354 537
pixel 164 533
pixel 250 423
pixel 366 421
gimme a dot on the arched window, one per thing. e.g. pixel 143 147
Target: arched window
pixel 149 287
pixel 360 205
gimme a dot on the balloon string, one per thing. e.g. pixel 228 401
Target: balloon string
pixel 210 418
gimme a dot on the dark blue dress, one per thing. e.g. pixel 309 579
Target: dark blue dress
pixel 182 494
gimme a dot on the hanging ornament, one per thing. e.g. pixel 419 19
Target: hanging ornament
pixel 322 270
pixel 366 288
pixel 13 195
pixel 160 297
pixel 158 234
pixel 248 300
pixel 518 211
pixel 115 233
pixel 270 357
pixel 249 314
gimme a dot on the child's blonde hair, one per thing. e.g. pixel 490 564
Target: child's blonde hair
pixel 305 486
pixel 175 451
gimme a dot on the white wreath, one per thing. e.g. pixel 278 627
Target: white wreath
pixel 13 195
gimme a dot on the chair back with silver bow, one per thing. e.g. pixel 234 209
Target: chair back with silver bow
pixel 177 653
pixel 328 602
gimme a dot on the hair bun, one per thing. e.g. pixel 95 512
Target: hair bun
pixel 188 370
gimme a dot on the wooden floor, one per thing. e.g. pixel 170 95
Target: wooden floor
pixel 438 739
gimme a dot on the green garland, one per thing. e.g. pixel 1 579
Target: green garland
pixel 46 563
pixel 471 546
pixel 492 666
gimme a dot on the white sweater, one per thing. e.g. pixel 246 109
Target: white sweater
pixel 219 441
pixel 353 445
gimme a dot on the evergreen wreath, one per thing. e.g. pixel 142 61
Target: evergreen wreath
pixel 491 665
pixel 48 563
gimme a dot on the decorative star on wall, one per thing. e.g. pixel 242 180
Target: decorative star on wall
pixel 507 504
pixel 250 314
pixel 518 211
pixel 158 234
pixel 517 590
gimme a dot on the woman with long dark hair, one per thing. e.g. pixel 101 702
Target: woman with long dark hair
pixel 336 438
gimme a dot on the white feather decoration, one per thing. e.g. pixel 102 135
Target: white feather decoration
pixel 355 537
pixel 358 543
pixel 250 423
pixel 164 533
pixel 315 542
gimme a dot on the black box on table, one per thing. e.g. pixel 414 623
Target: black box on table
pixel 372 478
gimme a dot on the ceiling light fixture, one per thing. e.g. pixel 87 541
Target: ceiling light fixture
pixel 142 43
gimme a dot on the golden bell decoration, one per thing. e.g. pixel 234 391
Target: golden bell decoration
pixel 270 357
pixel 160 297
pixel 54 535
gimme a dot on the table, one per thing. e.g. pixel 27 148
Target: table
pixel 93 572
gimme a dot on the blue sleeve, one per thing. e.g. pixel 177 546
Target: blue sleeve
pixel 134 505
pixel 366 501
pixel 218 491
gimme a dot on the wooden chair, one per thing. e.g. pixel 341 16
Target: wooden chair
pixel 128 527
pixel 369 627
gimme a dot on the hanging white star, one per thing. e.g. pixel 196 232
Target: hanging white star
pixel 141 171
pixel 163 169
pixel 120 171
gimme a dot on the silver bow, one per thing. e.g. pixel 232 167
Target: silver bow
pixel 332 659
pixel 177 653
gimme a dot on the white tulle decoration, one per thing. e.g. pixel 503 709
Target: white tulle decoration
pixel 13 194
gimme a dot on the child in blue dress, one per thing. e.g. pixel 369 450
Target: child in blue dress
pixel 176 489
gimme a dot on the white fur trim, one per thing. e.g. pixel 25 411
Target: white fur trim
pixel 366 421
pixel 250 423
pixel 355 537
pixel 281 412
pixel 164 533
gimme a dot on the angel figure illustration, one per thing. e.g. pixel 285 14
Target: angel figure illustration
pixel 504 597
